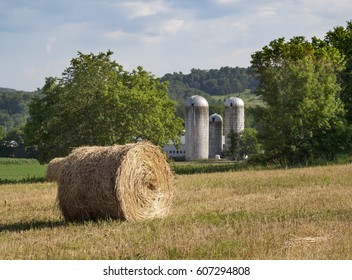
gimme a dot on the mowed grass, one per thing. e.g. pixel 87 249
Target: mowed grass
pixel 278 214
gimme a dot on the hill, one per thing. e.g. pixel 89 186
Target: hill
pixel 6 90
pixel 13 108
pixel 214 81
pixel 215 85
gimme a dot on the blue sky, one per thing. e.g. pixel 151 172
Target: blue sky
pixel 40 37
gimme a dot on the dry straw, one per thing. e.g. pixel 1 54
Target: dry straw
pixel 129 182
pixel 53 169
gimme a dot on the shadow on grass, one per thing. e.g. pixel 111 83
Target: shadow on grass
pixel 23 226
pixel 33 225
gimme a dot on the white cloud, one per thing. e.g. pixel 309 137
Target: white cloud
pixel 224 2
pixel 116 35
pixel 176 25
pixel 31 71
pixel 238 25
pixel 137 9
pixel 266 12
pixel 73 29
pixel 132 38
pixel 317 3
pixel 151 39
pixel 49 44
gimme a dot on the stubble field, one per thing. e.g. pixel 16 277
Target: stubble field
pixel 279 214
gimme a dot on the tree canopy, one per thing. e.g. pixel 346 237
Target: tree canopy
pixel 303 117
pixel 341 39
pixel 96 102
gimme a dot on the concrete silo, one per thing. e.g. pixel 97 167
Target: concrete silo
pixel 215 135
pixel 234 118
pixel 197 128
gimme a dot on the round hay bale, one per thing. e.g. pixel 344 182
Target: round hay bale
pixel 53 169
pixel 130 182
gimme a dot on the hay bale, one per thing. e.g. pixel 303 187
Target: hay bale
pixel 53 169
pixel 129 182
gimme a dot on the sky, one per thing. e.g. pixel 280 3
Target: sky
pixel 38 38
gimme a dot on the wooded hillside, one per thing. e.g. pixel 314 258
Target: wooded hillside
pixel 13 108
pixel 211 84
pixel 214 81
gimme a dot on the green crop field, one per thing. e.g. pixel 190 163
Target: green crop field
pixel 302 213
pixel 21 170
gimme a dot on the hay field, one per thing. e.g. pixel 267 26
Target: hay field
pixel 280 214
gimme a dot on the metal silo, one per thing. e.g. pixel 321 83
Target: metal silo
pixel 215 135
pixel 234 117
pixel 197 128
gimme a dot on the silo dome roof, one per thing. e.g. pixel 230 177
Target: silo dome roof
pixel 197 101
pixel 233 102
pixel 215 118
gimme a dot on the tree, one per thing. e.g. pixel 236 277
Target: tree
pixel 243 144
pixel 341 38
pixel 248 142
pixel 2 132
pixel 96 102
pixel 299 86
pixel 233 146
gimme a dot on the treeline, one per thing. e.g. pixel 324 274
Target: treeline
pixel 209 84
pixel 213 82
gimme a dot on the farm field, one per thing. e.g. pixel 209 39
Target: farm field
pixel 303 213
pixel 21 170
pixel 251 100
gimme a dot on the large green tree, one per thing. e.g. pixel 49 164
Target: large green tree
pixel 303 117
pixel 341 38
pixel 96 102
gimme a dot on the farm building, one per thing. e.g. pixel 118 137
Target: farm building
pixel 216 141
pixel 176 153
pixel 197 128
pixel 207 136
pixel 234 118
